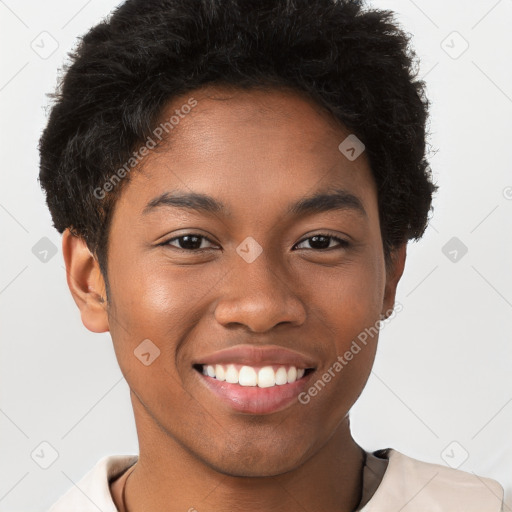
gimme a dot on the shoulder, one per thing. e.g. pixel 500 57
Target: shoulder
pixel 411 485
pixel 93 490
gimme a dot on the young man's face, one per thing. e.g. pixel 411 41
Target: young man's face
pixel 257 153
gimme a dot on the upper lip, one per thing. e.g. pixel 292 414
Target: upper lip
pixel 258 355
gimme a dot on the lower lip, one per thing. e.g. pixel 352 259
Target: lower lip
pixel 253 399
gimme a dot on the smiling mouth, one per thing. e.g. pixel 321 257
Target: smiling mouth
pixel 253 376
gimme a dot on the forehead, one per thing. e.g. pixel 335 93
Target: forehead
pixel 231 120
pixel 248 148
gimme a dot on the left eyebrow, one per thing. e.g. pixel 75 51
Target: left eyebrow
pixel 318 203
pixel 328 201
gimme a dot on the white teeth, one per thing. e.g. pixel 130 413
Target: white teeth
pixel 247 376
pixel 281 376
pixel 232 375
pixel 265 377
pixel 220 374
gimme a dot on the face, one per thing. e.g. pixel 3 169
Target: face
pixel 194 279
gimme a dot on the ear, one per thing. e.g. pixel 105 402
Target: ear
pixel 394 272
pixel 85 282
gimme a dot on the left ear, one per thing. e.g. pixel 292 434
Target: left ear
pixel 394 272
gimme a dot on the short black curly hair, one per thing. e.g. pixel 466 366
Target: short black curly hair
pixel 355 62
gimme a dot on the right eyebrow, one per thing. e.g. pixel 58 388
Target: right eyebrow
pixel 191 201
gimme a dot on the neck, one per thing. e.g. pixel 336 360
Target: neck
pixel 170 478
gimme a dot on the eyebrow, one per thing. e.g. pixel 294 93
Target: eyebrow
pixel 319 203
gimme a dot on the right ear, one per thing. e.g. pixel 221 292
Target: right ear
pixel 85 282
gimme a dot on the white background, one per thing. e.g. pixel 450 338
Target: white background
pixel 443 370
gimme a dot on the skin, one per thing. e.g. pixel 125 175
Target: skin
pixel 257 152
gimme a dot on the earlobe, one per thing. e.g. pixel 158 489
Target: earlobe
pixel 85 282
pixel 393 275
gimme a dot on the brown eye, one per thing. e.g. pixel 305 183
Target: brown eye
pixel 188 242
pixel 323 242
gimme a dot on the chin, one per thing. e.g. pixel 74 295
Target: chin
pixel 250 461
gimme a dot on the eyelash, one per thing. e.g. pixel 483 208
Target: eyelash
pixel 343 244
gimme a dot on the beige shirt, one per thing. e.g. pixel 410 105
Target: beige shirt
pixel 391 482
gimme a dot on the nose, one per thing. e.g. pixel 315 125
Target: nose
pixel 259 296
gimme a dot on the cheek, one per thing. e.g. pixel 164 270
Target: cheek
pixel 154 293
pixel 348 305
pixel 348 310
pixel 348 297
pixel 160 304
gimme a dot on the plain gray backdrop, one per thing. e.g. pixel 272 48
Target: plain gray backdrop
pixel 441 389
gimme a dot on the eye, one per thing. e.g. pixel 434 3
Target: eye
pixel 322 241
pixel 193 242
pixel 188 242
